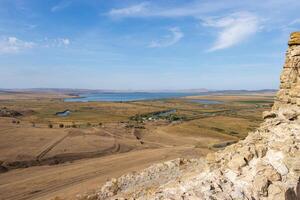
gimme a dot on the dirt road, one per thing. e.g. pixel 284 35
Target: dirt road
pixel 69 179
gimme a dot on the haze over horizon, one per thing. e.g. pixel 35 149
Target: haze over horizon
pixel 144 45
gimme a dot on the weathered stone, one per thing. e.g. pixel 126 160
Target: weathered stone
pixel 269 114
pixel 275 191
pixel 275 158
pixel 295 39
pixel 260 185
pixel 237 162
pixel 271 174
pixel 211 157
pixel 289 114
pixel 260 150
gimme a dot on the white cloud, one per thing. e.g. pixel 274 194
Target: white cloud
pixel 64 41
pixel 55 43
pixel 133 10
pixel 235 28
pixel 296 21
pixel 14 45
pixel 168 40
pixel 10 45
pixel 60 6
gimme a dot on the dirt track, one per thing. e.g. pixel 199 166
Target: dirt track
pixel 66 180
pixel 51 146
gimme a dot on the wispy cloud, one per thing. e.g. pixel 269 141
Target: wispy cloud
pixel 61 5
pixel 133 10
pixel 232 29
pixel 55 43
pixel 12 44
pixel 168 40
pixel 235 28
pixel 63 41
pixel 147 9
pixel 294 22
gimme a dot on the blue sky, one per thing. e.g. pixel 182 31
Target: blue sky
pixel 130 44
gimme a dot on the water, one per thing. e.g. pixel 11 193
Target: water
pixel 204 101
pixel 128 96
pixel 64 113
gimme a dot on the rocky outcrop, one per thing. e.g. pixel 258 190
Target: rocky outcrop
pixel 266 165
pixel 289 92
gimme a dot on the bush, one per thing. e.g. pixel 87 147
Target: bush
pixel 50 125
pixel 61 125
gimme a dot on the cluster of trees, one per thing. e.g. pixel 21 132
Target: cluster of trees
pixel 163 115
pixel 73 125
pixel 15 121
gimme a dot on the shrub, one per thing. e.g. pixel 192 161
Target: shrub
pixel 61 125
pixel 50 125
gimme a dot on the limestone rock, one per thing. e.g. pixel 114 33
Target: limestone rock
pixel 237 162
pixel 260 185
pixel 269 114
pixel 275 191
pixel 295 39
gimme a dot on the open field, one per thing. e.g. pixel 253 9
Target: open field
pixel 44 155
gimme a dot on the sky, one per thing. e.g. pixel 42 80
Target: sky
pixel 145 45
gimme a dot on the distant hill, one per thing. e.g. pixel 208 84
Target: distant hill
pixel 84 91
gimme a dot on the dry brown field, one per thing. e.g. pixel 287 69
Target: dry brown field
pixel 45 156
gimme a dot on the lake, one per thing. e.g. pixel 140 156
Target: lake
pixel 63 113
pixel 205 101
pixel 126 96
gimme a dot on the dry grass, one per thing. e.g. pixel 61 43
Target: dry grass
pixel 104 143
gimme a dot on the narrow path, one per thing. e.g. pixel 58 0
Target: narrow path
pixel 50 147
